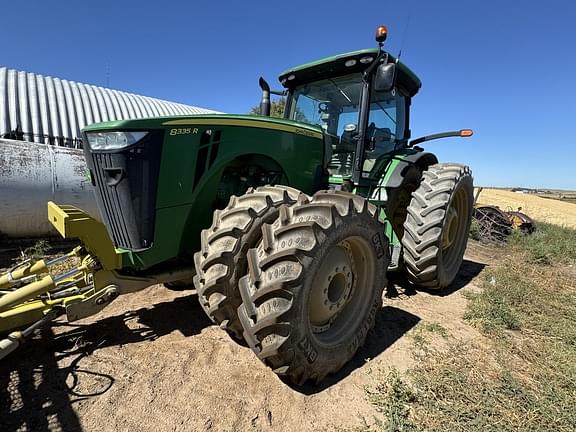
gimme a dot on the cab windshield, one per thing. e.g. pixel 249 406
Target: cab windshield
pixel 328 103
pixel 334 105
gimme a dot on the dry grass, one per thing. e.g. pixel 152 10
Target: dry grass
pixel 42 249
pixel 521 375
pixel 542 209
pixel 549 245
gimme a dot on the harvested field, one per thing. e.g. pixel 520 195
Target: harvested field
pixel 539 208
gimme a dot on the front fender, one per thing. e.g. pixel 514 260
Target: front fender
pixel 398 166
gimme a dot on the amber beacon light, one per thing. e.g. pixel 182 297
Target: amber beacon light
pixel 381 33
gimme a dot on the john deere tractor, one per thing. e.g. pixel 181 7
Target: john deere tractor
pixel 287 228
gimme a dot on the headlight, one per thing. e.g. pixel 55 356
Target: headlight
pixel 113 140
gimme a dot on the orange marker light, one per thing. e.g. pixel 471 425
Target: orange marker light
pixel 381 33
pixel 466 132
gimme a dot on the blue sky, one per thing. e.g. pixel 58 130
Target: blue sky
pixel 506 69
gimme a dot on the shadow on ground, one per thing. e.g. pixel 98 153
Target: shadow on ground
pixel 182 314
pixel 33 392
pixel 468 271
pixel 37 393
pixel 391 324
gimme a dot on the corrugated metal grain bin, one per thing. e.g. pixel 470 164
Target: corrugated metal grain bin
pixel 32 174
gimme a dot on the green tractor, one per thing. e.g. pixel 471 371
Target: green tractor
pixel 287 228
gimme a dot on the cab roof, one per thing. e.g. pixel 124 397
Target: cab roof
pixel 335 66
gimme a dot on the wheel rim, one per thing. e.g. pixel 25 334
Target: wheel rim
pixel 451 228
pixel 340 294
pixel 454 231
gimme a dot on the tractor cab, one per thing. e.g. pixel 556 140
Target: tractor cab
pixel 361 100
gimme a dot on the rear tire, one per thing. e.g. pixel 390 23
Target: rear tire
pixel 314 285
pixel 436 228
pixel 222 259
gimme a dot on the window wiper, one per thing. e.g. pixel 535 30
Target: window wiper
pixel 340 90
pixel 388 115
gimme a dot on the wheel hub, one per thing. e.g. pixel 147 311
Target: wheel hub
pixel 450 229
pixel 333 288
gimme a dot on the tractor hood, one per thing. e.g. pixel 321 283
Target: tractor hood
pixel 258 122
pixel 154 177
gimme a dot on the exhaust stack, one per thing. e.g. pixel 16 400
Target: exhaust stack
pixel 265 102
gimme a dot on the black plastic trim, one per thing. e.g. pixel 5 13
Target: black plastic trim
pixel 126 183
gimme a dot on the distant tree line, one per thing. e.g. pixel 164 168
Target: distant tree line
pixel 276 108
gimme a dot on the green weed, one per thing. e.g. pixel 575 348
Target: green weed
pixel 436 328
pixel 36 251
pixel 474 233
pixel 393 398
pixel 550 244
pixel 522 374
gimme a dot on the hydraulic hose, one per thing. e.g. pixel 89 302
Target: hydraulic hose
pixel 15 339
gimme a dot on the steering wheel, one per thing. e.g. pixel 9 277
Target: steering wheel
pixel 323 107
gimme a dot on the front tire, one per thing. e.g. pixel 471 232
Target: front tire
pixel 314 285
pixel 222 259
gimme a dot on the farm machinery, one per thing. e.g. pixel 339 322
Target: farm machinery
pixel 288 228
pixel 495 225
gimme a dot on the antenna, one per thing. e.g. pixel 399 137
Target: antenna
pixel 404 34
pixel 108 75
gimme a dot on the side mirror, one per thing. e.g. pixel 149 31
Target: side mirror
pixel 385 77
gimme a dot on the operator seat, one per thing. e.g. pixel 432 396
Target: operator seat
pixel 383 143
pixel 348 134
pixel 343 154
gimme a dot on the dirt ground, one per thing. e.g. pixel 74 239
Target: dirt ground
pixel 542 209
pixel 164 367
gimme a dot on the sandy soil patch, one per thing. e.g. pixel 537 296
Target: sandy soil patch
pixel 163 366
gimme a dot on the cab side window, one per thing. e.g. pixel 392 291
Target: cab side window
pixel 386 120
